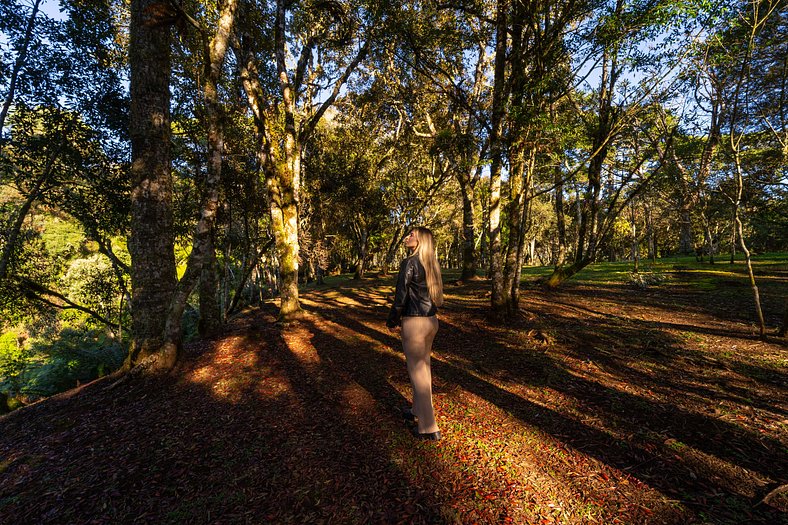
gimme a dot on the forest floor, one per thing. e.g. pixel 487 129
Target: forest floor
pixel 602 403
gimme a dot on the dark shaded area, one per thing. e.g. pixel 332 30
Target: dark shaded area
pixel 254 430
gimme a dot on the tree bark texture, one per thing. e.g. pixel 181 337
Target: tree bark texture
pixel 202 246
pixel 153 276
pixel 560 220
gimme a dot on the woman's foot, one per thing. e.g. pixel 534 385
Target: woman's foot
pixel 428 436
pixel 407 414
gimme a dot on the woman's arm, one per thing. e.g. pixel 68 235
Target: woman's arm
pixel 400 295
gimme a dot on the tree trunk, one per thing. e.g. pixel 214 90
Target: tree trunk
pixel 560 220
pixel 635 252
pixel 284 224
pixel 519 184
pixel 468 231
pixel 652 245
pixel 498 298
pixel 753 285
pixel 19 64
pixel 707 238
pixel 686 243
pixel 733 234
pixel 153 276
pixel 563 273
pixel 363 246
pixel 210 313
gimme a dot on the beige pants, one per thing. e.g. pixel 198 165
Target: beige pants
pixel 417 336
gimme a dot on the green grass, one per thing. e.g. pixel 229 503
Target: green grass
pixel 682 270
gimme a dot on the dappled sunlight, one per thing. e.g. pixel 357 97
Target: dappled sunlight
pixel 232 369
pixel 602 415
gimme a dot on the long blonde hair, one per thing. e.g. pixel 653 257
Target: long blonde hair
pixel 429 259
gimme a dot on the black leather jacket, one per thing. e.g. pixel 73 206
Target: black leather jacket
pixel 412 297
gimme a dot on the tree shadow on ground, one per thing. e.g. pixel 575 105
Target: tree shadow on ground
pixel 247 433
pixel 684 453
pixel 297 424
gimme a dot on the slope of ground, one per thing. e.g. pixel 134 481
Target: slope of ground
pixel 601 404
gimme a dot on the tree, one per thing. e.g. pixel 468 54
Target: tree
pixel 286 116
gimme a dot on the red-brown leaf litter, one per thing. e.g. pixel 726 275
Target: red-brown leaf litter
pixel 598 405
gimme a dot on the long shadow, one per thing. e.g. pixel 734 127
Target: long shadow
pixel 271 446
pixel 649 346
pixel 718 438
pixel 349 452
pixel 658 349
pixel 690 300
pixel 767 457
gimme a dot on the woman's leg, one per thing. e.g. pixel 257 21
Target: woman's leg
pixel 417 336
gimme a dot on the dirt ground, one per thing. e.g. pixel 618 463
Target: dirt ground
pixel 600 404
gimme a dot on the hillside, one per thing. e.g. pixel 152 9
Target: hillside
pixel 602 404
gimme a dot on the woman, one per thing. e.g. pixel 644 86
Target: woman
pixel 417 298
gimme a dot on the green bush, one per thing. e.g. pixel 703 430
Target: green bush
pixel 76 356
pixel 14 357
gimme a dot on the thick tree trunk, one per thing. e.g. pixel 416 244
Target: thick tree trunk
pixel 202 246
pixel 519 184
pixel 363 246
pixel 284 224
pixel 153 276
pixel 686 243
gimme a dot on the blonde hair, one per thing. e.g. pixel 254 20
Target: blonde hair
pixel 429 259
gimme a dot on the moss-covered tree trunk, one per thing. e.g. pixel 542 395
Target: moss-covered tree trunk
pixel 153 276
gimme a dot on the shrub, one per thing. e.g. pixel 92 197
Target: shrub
pixel 76 356
pixel 643 280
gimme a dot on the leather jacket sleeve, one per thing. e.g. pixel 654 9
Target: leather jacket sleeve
pixel 400 294
pixel 412 296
